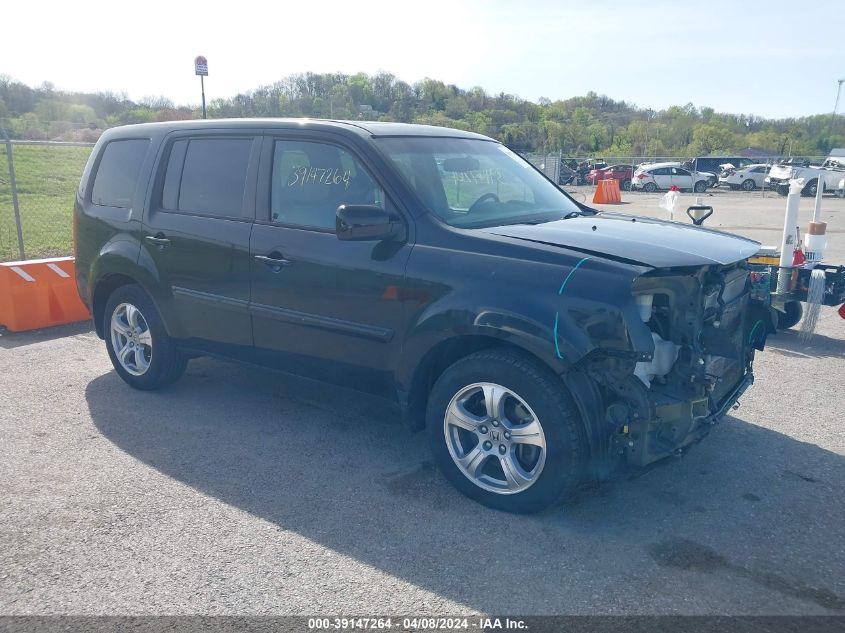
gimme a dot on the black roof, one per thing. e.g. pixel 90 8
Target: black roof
pixel 362 128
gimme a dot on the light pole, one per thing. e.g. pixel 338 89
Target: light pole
pixel 835 106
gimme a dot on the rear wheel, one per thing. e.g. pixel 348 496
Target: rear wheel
pixel 142 353
pixel 700 186
pixel 505 431
pixel 650 187
pixel 748 185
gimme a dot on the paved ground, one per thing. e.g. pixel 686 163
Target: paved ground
pixel 245 491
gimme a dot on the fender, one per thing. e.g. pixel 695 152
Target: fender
pixel 557 313
pixel 123 256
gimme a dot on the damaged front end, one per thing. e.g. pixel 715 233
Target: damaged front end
pixel 692 333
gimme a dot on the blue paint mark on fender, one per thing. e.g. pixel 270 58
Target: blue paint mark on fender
pixel 569 276
pixel 560 292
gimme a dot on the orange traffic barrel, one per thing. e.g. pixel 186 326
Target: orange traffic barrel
pixel 607 192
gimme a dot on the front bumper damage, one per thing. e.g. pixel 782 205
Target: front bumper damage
pixel 693 341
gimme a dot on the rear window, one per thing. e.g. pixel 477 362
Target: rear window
pixel 207 176
pixel 117 173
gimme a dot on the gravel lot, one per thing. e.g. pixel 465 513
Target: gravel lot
pixel 244 491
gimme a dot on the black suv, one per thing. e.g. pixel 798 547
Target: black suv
pixel 539 342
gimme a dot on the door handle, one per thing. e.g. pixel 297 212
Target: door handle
pixel 159 240
pixel 275 261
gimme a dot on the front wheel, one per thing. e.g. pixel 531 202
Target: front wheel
pixel 140 350
pixel 700 187
pixel 626 185
pixel 505 431
pixel 811 189
pixel 791 315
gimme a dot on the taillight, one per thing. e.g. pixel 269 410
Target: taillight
pixel 642 176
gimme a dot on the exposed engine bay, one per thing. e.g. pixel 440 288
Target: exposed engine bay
pixel 696 336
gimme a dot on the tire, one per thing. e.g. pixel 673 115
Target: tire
pixel 791 315
pixel 700 186
pixel 783 190
pixel 650 187
pixel 549 473
pixel 748 185
pixel 626 185
pixel 810 189
pixel 151 361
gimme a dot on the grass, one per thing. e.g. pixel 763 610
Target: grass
pixel 47 179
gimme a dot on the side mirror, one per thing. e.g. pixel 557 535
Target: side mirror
pixel 367 223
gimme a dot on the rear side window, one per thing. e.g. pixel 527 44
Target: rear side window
pixel 118 171
pixel 207 176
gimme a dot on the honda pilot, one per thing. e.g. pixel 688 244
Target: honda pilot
pixel 540 344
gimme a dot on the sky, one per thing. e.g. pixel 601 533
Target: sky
pixel 739 56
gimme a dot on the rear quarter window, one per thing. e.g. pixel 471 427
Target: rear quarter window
pixel 117 172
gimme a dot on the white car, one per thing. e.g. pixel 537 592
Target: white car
pixel 748 178
pixel 830 172
pixel 657 176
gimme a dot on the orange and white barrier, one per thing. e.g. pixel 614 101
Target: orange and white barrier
pixel 607 192
pixel 39 293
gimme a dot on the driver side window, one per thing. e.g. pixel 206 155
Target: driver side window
pixel 311 180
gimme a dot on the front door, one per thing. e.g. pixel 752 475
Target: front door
pixel 323 307
pixel 681 178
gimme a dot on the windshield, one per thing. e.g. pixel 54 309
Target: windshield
pixel 473 183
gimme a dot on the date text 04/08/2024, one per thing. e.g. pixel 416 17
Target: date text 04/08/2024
pixel 416 623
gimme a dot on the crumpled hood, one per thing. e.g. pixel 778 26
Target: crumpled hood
pixel 780 171
pixel 637 240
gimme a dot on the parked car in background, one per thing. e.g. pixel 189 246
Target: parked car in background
pixel 660 176
pixel 748 178
pixel 622 173
pixel 830 172
pixel 713 165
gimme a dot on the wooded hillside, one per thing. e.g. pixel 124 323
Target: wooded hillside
pixel 579 126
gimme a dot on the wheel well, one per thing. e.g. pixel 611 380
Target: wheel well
pixel 105 287
pixel 436 361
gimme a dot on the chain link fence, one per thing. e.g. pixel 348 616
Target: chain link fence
pixel 556 164
pixel 42 177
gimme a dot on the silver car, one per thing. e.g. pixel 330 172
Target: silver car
pixel 748 178
pixel 660 176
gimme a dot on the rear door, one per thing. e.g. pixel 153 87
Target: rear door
pixel 662 177
pixel 197 235
pixel 320 306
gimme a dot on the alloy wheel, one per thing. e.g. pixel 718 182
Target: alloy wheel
pixel 494 438
pixel 131 339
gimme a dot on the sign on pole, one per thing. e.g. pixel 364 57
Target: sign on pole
pixel 201 69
